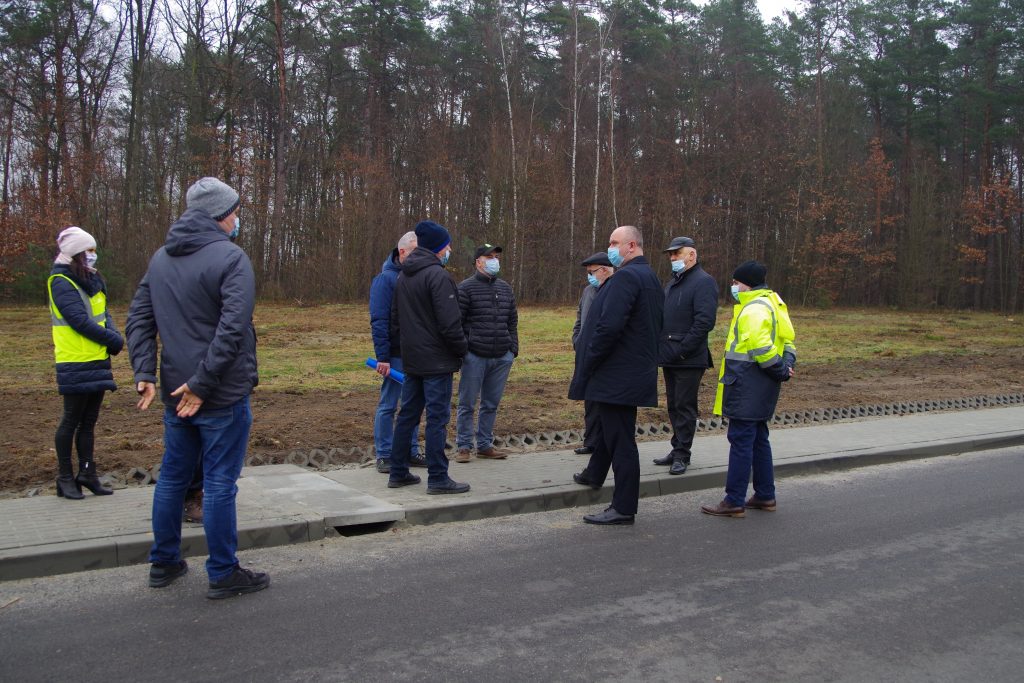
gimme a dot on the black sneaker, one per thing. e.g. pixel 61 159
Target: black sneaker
pixel 383 465
pixel 408 480
pixel 450 486
pixel 417 461
pixel 239 582
pixel 161 575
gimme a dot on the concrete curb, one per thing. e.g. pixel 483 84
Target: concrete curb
pixel 311 525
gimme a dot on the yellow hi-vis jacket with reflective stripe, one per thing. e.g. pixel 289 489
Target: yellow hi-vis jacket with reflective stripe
pixel 758 354
pixel 68 345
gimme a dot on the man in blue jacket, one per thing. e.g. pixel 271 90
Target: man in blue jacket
pixel 617 369
pixel 389 355
pixel 691 306
pixel 198 295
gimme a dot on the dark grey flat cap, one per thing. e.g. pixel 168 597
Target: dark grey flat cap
pixel 679 243
pixel 598 259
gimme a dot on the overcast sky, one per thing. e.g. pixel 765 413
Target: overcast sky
pixel 773 8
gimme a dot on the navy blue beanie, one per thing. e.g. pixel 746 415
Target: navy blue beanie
pixel 432 236
pixel 750 273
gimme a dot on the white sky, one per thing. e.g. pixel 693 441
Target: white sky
pixel 773 8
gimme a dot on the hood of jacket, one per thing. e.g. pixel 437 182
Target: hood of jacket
pixel 391 263
pixel 193 231
pixel 420 259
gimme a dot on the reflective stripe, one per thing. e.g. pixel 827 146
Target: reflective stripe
pixel 736 325
pixel 735 355
pixel 768 363
pixel 61 322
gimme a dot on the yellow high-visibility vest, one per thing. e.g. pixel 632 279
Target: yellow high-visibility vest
pixel 68 345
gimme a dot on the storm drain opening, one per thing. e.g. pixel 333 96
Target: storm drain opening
pixel 363 529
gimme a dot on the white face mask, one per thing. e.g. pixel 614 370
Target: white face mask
pixel 90 258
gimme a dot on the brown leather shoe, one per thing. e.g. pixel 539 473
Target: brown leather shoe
pixel 755 503
pixel 194 507
pixel 723 509
pixel 463 455
pixel 491 454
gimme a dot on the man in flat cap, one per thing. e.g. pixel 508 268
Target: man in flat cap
pixel 491 324
pixel 691 305
pixel 599 269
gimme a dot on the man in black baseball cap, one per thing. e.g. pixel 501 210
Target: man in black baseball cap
pixel 691 304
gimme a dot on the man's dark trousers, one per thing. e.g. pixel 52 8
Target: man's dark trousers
pixel 434 394
pixel 681 388
pixel 615 447
pixel 589 425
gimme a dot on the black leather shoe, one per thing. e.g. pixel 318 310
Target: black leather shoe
pixel 408 480
pixel 583 450
pixel 679 467
pixel 239 582
pixel 417 461
pixel 667 460
pixel 450 486
pixel 583 480
pixel 609 516
pixel 383 465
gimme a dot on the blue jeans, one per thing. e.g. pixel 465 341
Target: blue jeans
pixel 435 394
pixel 483 379
pixel 749 450
pixel 384 420
pixel 219 436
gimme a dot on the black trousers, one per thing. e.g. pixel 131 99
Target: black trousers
pixel 77 424
pixel 615 448
pixel 681 387
pixel 589 424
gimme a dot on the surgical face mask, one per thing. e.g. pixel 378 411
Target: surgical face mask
pixel 90 258
pixel 614 256
pixel 492 266
pixel 678 266
pixel 444 259
pixel 233 235
pixel 592 279
pixel 735 291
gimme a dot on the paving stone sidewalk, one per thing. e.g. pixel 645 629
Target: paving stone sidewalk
pixel 282 504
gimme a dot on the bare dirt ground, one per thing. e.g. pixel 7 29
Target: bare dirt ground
pixel 324 419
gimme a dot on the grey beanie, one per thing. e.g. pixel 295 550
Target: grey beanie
pixel 212 196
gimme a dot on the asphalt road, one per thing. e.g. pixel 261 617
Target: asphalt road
pixel 895 573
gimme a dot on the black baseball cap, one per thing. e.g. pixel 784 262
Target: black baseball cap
pixel 486 250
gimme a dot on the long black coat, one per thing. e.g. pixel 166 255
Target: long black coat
pixel 691 305
pixel 425 317
pixel 617 350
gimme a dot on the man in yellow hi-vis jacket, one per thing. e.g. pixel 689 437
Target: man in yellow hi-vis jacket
pixel 759 356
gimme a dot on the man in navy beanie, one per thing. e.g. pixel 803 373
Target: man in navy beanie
pixel 426 306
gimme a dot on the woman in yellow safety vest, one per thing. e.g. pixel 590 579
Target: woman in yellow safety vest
pixel 84 338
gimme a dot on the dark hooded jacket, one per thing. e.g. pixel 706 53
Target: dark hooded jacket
pixel 425 317
pixel 92 376
pixel 198 294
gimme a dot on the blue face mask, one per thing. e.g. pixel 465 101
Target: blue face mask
pixel 614 256
pixel 735 291
pixel 444 259
pixel 678 266
pixel 592 279
pixel 492 266
pixel 233 235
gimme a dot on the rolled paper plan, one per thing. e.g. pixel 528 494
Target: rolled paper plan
pixel 396 375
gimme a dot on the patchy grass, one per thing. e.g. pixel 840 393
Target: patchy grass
pixel 324 347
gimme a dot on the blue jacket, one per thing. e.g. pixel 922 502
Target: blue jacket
pixel 382 291
pixel 617 350
pixel 198 294
pixel 93 376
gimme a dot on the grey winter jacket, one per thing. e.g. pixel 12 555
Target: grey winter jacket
pixel 198 294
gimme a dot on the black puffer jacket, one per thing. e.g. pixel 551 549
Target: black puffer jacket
pixel 92 376
pixel 425 317
pixel 691 306
pixel 489 316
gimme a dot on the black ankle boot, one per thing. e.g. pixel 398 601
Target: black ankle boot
pixel 87 478
pixel 68 488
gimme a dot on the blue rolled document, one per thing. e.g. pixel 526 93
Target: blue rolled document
pixel 396 375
